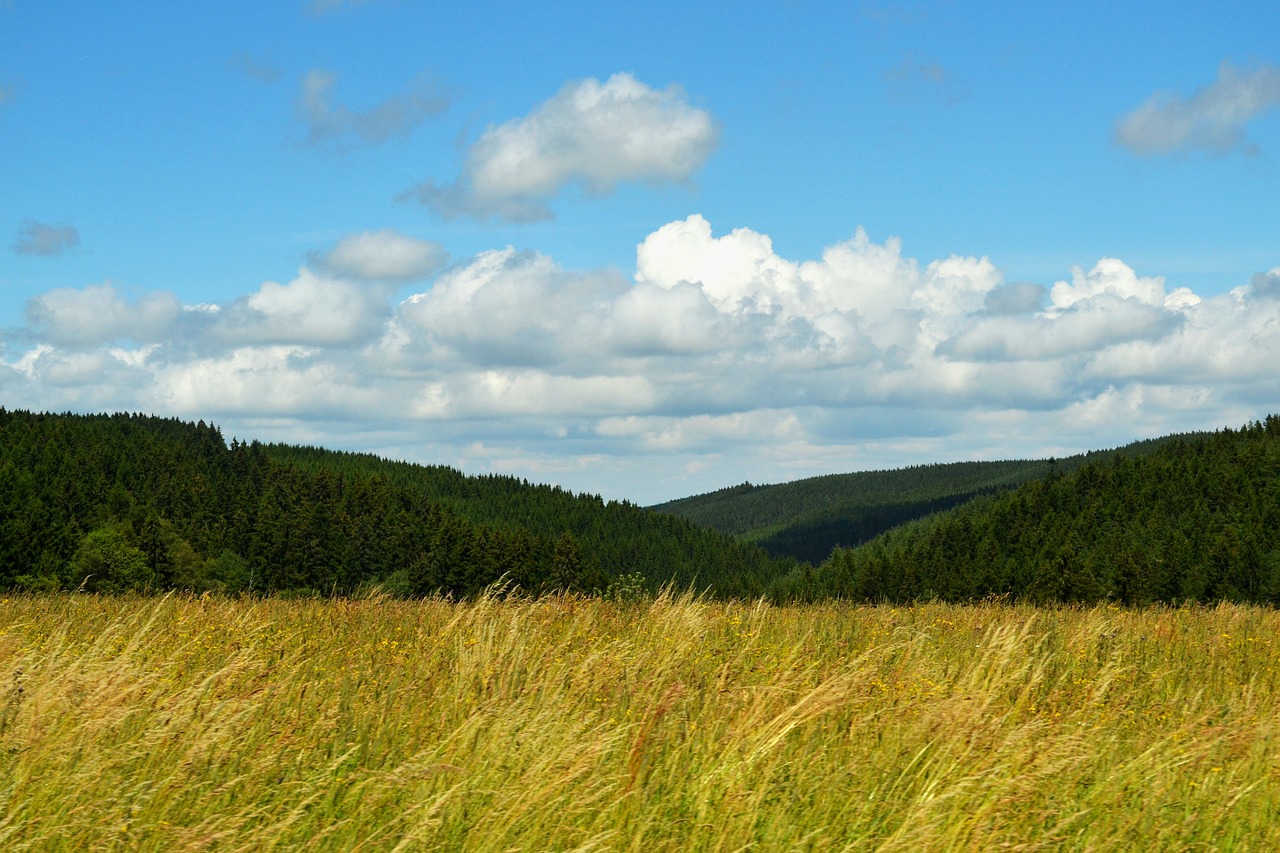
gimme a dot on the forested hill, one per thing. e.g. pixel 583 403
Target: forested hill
pixel 807 519
pixel 623 537
pixel 1197 518
pixel 114 502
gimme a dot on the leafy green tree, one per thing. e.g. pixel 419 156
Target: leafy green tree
pixel 107 562
pixel 228 572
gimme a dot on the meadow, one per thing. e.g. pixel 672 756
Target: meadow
pixel 567 723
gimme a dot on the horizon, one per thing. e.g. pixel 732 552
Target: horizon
pixel 645 253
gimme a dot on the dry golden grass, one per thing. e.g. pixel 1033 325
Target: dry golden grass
pixel 677 724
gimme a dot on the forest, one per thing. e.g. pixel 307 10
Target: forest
pixel 808 518
pixel 112 503
pixel 1196 519
pixel 108 503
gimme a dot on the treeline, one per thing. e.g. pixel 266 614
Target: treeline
pixel 116 502
pixel 1197 518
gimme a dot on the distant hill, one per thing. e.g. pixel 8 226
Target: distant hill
pixel 1190 518
pixel 806 519
pixel 117 502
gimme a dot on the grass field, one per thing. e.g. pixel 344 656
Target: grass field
pixel 676 724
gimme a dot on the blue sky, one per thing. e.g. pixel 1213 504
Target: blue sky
pixel 645 251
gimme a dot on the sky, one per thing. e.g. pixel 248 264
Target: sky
pixel 645 250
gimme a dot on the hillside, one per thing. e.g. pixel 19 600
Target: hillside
pixel 117 502
pixel 621 536
pixel 1195 519
pixel 114 502
pixel 806 519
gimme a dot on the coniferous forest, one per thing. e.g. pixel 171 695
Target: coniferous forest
pixel 808 518
pixel 121 502
pixel 109 503
pixel 1196 519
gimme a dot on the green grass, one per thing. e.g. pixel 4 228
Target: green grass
pixel 676 724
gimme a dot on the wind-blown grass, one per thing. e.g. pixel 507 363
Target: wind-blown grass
pixel 676 724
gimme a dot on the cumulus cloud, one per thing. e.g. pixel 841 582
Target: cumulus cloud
pixel 39 238
pixel 1114 277
pixel 512 309
pixel 385 255
pixel 265 381
pixel 311 309
pixel 1266 284
pixel 1089 327
pixel 98 314
pixel 1021 297
pixel 591 134
pixel 720 360
pixel 332 124
pixel 1214 118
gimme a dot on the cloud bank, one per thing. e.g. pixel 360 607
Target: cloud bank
pixel 720 360
pixel 1213 119
pixel 590 134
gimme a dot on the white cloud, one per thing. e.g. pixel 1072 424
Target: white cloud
pixel 722 360
pixel 1214 118
pixel 1111 277
pixel 529 393
pixel 858 288
pixel 651 320
pixel 311 309
pixel 596 135
pixel 384 255
pixel 1090 326
pixel 39 238
pixel 97 314
pixel 514 309
pixel 338 125
pixel 738 271
pixel 705 432
pixel 280 380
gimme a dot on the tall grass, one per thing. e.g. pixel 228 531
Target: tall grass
pixel 677 724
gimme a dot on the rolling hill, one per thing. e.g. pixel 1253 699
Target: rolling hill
pixel 806 519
